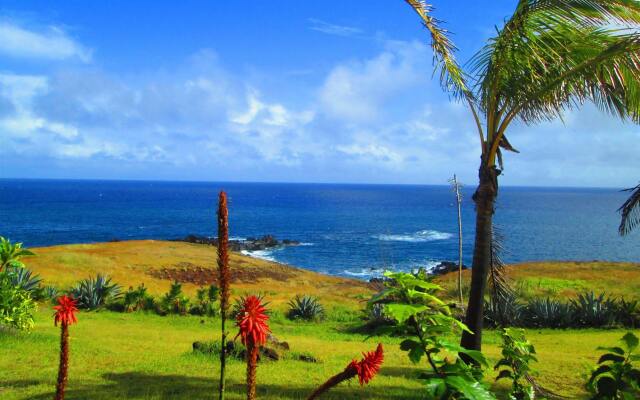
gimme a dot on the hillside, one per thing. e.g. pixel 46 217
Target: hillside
pixel 158 263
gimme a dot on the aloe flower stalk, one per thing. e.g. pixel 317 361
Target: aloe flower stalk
pixel 364 369
pixel 65 316
pixel 224 279
pixel 252 321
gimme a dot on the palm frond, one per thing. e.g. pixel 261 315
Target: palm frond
pixel 553 55
pixel 499 284
pixel 630 211
pixel 453 78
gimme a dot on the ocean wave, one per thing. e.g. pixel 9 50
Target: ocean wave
pixel 306 244
pixel 426 235
pixel 377 272
pixel 261 254
pixel 237 238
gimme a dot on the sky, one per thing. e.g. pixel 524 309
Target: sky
pixel 279 91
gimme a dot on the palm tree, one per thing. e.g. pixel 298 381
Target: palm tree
pixel 550 56
pixel 11 253
pixel 630 211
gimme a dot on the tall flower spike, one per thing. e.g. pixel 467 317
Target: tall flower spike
pixel 65 311
pixel 224 280
pixel 252 321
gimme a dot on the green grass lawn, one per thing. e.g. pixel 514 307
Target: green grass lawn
pixel 145 356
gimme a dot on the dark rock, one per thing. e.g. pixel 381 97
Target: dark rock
pixel 250 244
pixel 445 267
pixel 307 358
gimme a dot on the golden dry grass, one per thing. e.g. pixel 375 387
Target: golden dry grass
pixel 131 263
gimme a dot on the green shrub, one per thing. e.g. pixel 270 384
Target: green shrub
pixel 206 302
pixel 137 299
pixel 548 313
pixel 16 305
pixel 615 376
pixel 174 302
pixel 593 311
pixel 627 313
pixel 517 353
pixel 306 308
pixel 95 293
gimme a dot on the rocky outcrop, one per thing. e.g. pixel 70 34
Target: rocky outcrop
pixel 249 244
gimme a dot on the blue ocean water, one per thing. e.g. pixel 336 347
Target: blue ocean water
pixel 349 230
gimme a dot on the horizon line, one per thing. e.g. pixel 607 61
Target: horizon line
pixel 301 183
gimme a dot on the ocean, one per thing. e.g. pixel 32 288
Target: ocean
pixel 346 230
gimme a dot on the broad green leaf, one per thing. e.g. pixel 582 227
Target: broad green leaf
pixel 610 357
pixel 631 341
pixel 504 374
pixel 616 350
pixel 402 312
pixel 471 390
pixel 606 386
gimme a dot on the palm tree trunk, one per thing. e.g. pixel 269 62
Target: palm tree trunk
pixel 484 198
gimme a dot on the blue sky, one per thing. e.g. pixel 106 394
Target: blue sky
pixel 287 90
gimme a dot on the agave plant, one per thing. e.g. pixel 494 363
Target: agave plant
pixel 628 312
pixel 548 313
pixel 503 311
pixel 94 293
pixel 307 308
pixel 24 279
pixel 593 311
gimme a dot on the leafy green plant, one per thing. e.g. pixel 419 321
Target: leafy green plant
pixel 137 299
pixel 548 313
pixel 595 311
pixel 174 302
pixel 306 308
pixel 95 293
pixel 412 301
pixel 517 353
pixel 616 376
pixel 11 253
pixel 205 302
pixel 16 305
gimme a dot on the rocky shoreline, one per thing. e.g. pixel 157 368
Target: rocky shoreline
pixel 249 244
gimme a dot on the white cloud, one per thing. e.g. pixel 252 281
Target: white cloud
pixel 333 29
pixel 51 43
pixel 358 90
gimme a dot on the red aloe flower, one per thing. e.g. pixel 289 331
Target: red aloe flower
pixel 65 311
pixel 252 322
pixel 369 366
pixel 364 369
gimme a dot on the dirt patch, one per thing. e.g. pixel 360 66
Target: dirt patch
pixel 186 272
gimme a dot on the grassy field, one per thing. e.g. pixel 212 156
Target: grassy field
pixel 145 356
pixel 565 279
